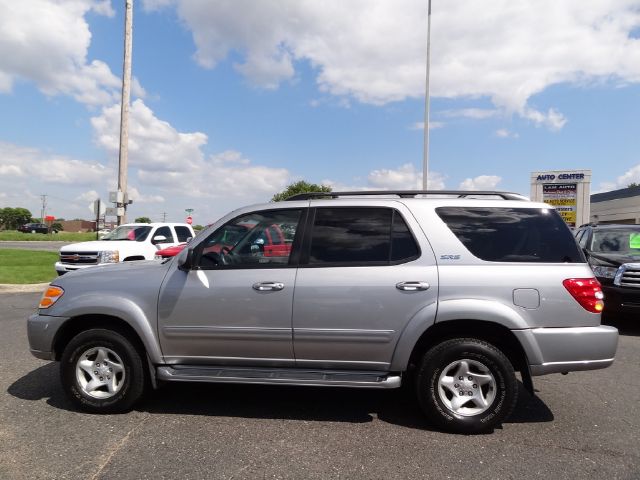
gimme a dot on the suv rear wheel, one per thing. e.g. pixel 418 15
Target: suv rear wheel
pixel 466 385
pixel 102 372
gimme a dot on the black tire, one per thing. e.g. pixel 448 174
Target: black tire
pixel 485 364
pixel 123 357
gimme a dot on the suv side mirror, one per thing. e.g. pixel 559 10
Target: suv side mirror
pixel 185 260
pixel 158 239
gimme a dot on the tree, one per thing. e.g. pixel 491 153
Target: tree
pixel 197 228
pixel 633 184
pixel 299 187
pixel 12 218
pixel 143 220
pixel 57 227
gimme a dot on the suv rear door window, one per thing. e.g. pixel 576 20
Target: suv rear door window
pixel 513 234
pixel 360 236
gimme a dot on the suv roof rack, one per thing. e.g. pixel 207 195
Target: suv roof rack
pixel 407 194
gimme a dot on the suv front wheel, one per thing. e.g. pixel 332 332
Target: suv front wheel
pixel 466 385
pixel 102 372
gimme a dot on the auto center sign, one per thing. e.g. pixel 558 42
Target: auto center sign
pixel 567 190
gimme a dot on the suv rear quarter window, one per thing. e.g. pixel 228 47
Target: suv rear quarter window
pixel 513 234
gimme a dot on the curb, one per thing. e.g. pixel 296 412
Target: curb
pixel 29 288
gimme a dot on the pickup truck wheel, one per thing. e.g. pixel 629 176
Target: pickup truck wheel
pixel 466 385
pixel 102 372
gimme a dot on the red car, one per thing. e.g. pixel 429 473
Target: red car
pixel 170 251
pixel 273 242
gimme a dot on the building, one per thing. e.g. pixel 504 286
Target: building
pixel 617 206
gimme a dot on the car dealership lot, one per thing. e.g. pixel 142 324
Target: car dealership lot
pixel 581 426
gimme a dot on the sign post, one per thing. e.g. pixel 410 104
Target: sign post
pixel 567 190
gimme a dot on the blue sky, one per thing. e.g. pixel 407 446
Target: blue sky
pixel 235 99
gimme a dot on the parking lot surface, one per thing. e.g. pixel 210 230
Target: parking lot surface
pixel 581 426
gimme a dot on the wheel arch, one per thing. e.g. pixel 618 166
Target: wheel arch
pixel 81 323
pixel 492 332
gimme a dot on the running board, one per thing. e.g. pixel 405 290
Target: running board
pixel 279 376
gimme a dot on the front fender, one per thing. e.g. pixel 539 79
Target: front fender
pixel 125 309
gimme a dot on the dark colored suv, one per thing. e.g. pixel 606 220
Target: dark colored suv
pixel 613 251
pixel 33 228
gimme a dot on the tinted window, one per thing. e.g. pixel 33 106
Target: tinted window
pixel 165 232
pixel 624 241
pixel 183 233
pixel 584 239
pixel 256 239
pixel 351 235
pixel 512 234
pixel 403 245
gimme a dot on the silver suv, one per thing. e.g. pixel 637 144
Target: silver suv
pixel 452 291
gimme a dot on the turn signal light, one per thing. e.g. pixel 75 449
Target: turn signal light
pixel 50 296
pixel 587 292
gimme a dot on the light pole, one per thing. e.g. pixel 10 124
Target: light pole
pixel 425 152
pixel 123 156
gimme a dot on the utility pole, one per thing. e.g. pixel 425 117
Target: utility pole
pixel 164 217
pixel 44 207
pixel 425 153
pixel 123 157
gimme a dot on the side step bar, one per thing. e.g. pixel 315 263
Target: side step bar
pixel 279 376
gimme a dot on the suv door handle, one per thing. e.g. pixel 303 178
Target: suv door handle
pixel 412 286
pixel 268 286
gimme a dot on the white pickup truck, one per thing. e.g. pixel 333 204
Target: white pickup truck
pixel 133 241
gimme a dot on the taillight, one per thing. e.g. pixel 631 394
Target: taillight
pixel 587 292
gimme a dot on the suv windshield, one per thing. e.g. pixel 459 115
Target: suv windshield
pixel 623 240
pixel 136 233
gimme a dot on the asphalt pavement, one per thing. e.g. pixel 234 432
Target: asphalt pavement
pixel 581 426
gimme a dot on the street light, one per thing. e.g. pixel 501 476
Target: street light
pixel 425 153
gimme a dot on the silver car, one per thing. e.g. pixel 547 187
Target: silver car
pixel 452 291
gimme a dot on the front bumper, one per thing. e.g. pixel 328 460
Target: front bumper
pixel 63 268
pixel 41 332
pixel 621 299
pixel 555 350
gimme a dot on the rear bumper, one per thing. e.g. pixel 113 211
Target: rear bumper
pixel 555 350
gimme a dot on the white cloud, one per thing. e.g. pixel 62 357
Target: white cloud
pixel 482 182
pixel 374 50
pixel 172 162
pixel 24 164
pixel 504 133
pixel 153 143
pixel 630 176
pixel 405 177
pixel 46 42
pixel 89 196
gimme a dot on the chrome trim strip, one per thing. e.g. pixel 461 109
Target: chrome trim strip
pixel 343 335
pixel 231 333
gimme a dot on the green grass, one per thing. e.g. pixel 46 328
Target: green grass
pixel 13 236
pixel 27 266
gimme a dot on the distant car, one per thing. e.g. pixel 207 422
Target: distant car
pixel 613 252
pixel 103 231
pixel 34 228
